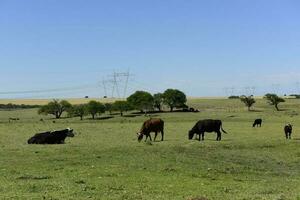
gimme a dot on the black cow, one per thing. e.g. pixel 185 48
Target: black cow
pixel 151 125
pixel 257 123
pixel 288 129
pixel 54 137
pixel 207 125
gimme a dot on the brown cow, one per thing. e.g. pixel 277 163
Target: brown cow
pixel 151 125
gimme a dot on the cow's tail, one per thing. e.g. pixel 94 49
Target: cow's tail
pixel 223 130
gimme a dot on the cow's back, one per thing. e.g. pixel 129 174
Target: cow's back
pixel 209 125
pixel 39 138
pixel 153 125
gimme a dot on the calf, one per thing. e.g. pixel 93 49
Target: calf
pixel 257 123
pixel 288 129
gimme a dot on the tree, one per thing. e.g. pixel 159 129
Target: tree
pixel 94 108
pixel 273 99
pixel 79 111
pixel 55 108
pixel 108 107
pixel 248 101
pixel 141 100
pixel 158 101
pixel 174 99
pixel 121 106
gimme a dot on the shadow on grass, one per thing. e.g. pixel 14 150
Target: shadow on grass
pixel 30 177
pixel 103 118
pixel 255 111
pixel 132 115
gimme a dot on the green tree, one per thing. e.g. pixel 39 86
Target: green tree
pixel 122 106
pixel 248 101
pixel 158 101
pixel 141 100
pixel 109 107
pixel 55 108
pixel 174 98
pixel 79 111
pixel 94 108
pixel 274 100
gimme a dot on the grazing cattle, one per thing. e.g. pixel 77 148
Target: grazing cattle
pixel 54 137
pixel 151 125
pixel 257 123
pixel 288 129
pixel 207 125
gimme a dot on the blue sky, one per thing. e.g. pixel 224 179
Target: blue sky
pixel 64 48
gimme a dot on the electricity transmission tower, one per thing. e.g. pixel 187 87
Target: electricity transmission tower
pixel 117 83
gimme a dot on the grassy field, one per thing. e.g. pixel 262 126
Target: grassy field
pixel 105 161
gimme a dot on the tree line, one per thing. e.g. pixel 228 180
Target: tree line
pixel 11 106
pixel 141 101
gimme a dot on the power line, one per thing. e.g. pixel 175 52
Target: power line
pixel 74 88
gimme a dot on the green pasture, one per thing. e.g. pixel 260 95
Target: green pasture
pixel 105 161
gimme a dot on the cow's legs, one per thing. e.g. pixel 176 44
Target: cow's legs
pixel 202 136
pixel 290 135
pixel 219 136
pixel 162 135
pixel 287 136
pixel 155 136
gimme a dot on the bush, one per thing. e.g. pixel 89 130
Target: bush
pixel 233 97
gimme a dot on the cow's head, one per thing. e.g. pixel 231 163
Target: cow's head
pixel 140 136
pixel 191 134
pixel 70 132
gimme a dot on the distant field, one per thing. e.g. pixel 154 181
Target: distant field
pixel 45 101
pixel 105 161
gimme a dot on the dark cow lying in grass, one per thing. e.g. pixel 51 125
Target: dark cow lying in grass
pixel 288 129
pixel 207 125
pixel 151 125
pixel 257 123
pixel 54 137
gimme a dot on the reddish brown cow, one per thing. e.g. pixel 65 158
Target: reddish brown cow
pixel 151 125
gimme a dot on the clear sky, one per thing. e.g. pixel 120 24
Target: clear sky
pixel 64 48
